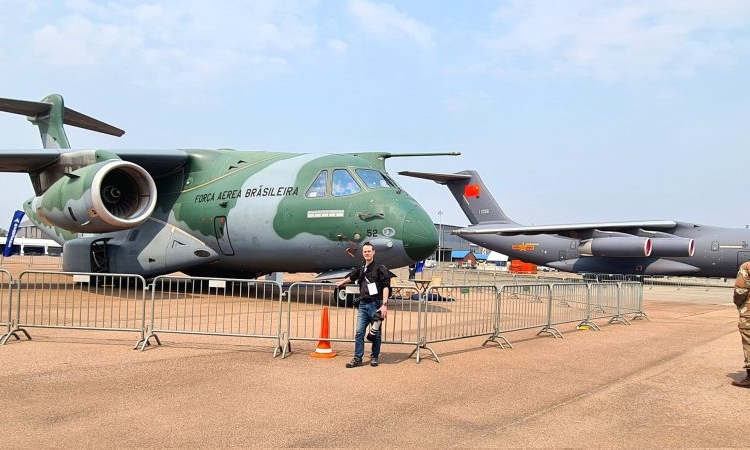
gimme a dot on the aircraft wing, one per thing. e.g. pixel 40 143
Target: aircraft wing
pixel 156 162
pixel 570 230
pixel 25 161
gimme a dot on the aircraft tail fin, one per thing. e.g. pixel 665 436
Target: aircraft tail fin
pixel 470 192
pixel 50 114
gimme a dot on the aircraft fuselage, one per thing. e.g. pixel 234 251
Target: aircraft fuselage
pixel 245 213
pixel 718 253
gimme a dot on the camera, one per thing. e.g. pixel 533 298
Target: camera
pixel 377 321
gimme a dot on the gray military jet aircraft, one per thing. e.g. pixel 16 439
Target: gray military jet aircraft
pixel 653 247
pixel 224 212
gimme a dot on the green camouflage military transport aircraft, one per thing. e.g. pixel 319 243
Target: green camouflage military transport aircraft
pixel 218 213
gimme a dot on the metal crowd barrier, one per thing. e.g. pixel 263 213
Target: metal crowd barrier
pixel 569 303
pixel 498 277
pixel 404 322
pixel 259 309
pixel 479 276
pixel 543 306
pixel 525 306
pixel 6 304
pixel 456 312
pixel 631 300
pixel 605 301
pixel 83 301
pixel 685 282
pixel 304 308
pixel 215 306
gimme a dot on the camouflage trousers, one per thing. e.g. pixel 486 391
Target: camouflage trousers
pixel 744 326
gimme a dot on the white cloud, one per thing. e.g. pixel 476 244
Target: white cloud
pixel 383 20
pixel 614 38
pixel 77 41
pixel 338 46
pixel 176 43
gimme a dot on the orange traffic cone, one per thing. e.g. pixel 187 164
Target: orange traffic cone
pixel 324 346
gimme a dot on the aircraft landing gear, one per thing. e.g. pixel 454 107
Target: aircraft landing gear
pixel 345 296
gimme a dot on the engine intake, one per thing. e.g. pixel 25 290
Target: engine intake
pixel 107 196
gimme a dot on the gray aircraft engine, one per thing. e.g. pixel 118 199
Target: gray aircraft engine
pixel 627 246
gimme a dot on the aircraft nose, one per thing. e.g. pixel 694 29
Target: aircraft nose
pixel 420 236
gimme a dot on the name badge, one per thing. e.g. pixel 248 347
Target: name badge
pixel 372 288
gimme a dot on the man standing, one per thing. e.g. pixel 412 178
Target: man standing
pixel 374 281
pixel 741 288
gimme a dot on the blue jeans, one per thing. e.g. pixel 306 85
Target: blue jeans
pixel 364 317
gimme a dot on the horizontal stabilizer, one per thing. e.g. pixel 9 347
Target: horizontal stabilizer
pixel 37 110
pixel 441 178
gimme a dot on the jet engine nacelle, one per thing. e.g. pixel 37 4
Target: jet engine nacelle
pixel 621 246
pixel 107 196
pixel 675 247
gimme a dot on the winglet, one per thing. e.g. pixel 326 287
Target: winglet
pixel 50 114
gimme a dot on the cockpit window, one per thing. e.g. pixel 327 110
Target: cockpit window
pixel 318 188
pixel 344 184
pixel 373 179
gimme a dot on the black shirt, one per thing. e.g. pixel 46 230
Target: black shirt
pixel 374 273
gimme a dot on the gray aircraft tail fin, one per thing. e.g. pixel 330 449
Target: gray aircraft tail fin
pixel 50 115
pixel 471 193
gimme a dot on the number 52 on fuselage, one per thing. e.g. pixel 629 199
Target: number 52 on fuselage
pixel 223 213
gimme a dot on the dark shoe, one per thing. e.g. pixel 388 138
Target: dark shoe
pixel 374 362
pixel 742 383
pixel 354 363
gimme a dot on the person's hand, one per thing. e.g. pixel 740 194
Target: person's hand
pixel 383 311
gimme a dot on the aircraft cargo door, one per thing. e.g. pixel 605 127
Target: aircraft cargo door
pixel 221 228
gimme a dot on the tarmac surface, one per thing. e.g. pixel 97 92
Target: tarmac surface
pixel 661 382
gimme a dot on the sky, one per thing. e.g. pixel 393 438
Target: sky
pixel 575 111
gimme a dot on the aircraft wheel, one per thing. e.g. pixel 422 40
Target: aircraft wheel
pixel 342 299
